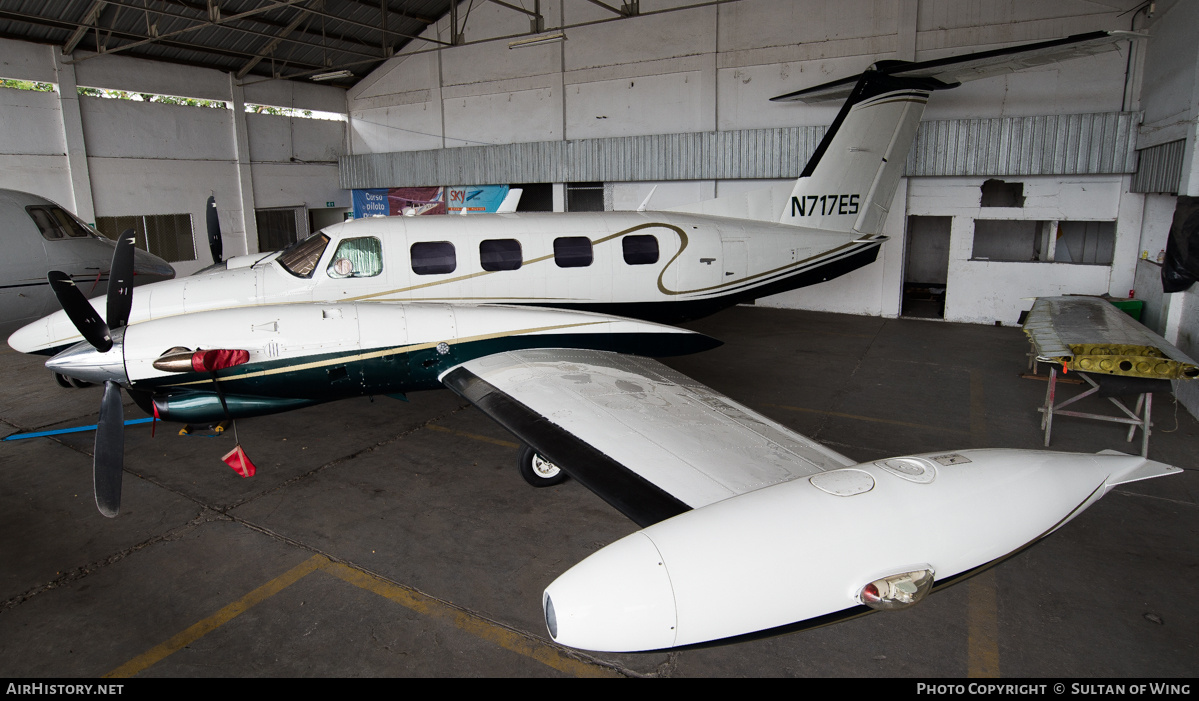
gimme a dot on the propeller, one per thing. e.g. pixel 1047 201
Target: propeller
pixel 108 463
pixel 214 231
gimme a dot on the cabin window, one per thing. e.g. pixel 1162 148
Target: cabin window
pixel 56 223
pixel 300 258
pixel 572 251
pixel 500 254
pixel 361 257
pixel 640 250
pixel 433 258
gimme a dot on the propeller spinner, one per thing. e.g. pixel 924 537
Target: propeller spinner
pixel 105 338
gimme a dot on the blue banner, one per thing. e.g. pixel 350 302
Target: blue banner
pixel 369 203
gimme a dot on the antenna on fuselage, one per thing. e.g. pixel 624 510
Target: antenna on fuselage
pixel 645 202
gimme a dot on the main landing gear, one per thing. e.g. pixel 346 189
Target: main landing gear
pixel 538 471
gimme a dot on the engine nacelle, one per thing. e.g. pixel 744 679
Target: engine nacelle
pixel 807 548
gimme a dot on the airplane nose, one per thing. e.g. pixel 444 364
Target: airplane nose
pixel 150 268
pixel 83 362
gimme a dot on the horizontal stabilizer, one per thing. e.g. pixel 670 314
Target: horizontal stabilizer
pixel 954 70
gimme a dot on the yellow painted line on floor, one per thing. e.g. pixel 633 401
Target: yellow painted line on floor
pixel 982 607
pixel 477 626
pixel 474 436
pixel 982 637
pixel 218 619
pixel 865 418
pixel 470 623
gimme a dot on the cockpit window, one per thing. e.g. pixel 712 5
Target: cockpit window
pixel 361 257
pixel 56 223
pixel 300 258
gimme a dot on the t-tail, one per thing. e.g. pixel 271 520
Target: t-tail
pixel 850 180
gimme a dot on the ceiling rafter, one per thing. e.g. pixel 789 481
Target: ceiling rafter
pixel 269 47
pixel 198 25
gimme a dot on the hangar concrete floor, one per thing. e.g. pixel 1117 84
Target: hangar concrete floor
pixel 383 538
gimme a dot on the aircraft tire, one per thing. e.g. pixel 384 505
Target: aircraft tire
pixel 538 471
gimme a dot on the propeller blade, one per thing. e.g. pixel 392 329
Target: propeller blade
pixel 80 311
pixel 214 231
pixel 120 282
pixel 108 464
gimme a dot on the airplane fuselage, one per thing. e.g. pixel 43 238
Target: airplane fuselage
pixel 38 236
pixel 304 354
pixel 657 266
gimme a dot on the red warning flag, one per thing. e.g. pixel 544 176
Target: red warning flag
pixel 239 461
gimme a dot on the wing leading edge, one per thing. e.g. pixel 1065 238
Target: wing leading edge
pixel 650 441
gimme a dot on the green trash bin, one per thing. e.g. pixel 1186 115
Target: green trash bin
pixel 1131 307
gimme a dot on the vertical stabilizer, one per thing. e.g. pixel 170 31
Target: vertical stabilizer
pixel 850 180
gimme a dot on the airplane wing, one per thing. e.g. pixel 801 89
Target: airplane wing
pixel 748 526
pixel 1089 334
pixel 650 441
pixel 984 64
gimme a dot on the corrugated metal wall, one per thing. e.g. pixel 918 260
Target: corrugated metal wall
pixel 1160 168
pixel 1048 145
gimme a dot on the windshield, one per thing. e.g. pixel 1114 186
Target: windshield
pixel 56 223
pixel 300 258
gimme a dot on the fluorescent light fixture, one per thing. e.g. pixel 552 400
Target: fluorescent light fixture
pixel 333 75
pixel 534 41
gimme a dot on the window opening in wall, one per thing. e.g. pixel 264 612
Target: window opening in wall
pixel 535 197
pixel 500 254
pixel 584 197
pixel 1007 240
pixel 280 227
pixel 926 267
pixel 152 97
pixel 168 236
pixel 997 193
pixel 641 249
pixel 572 251
pixel 294 112
pixel 1078 242
pixel 433 258
pixel 358 257
pixel 34 85
pixel 1086 242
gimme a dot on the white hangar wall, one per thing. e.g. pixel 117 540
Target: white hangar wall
pixel 111 157
pixel 714 68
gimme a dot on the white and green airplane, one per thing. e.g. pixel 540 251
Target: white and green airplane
pixel 747 527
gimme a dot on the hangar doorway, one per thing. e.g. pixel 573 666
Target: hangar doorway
pixel 926 267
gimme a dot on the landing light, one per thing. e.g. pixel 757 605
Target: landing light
pixel 551 619
pixel 898 590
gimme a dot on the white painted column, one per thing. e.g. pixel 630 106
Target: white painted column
pixel 72 127
pixel 1128 240
pixel 245 178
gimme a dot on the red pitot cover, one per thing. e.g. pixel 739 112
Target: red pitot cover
pixel 239 461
